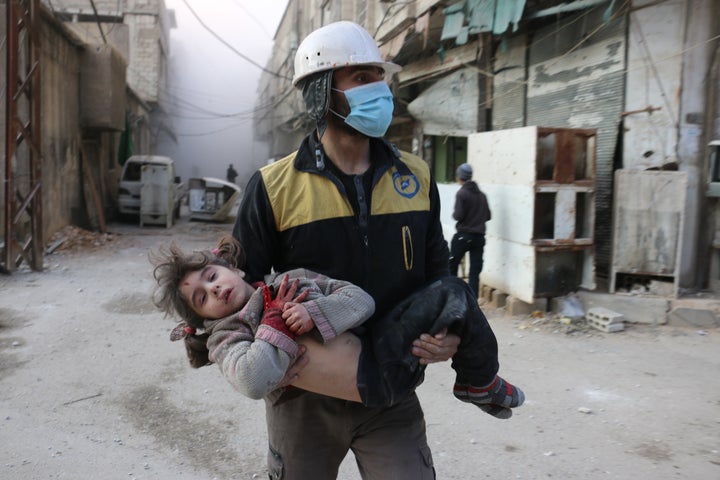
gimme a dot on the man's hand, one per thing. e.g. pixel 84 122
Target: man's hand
pixel 435 348
pixel 293 372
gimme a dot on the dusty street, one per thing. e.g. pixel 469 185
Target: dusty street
pixel 91 388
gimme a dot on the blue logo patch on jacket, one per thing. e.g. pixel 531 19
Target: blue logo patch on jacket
pixel 406 185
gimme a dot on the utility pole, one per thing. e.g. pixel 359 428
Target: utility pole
pixel 23 238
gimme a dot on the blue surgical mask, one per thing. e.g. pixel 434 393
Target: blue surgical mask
pixel 371 108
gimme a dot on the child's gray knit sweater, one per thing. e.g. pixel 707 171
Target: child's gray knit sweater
pixel 254 358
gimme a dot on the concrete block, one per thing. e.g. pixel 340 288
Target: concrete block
pixel 635 308
pixel 662 289
pixel 540 304
pixel 605 319
pixel 515 306
pixel 693 317
pixel 498 299
pixel 486 292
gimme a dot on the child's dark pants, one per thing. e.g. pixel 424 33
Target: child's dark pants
pixel 388 370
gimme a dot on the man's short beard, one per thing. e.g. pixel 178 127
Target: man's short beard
pixel 334 120
pixel 338 123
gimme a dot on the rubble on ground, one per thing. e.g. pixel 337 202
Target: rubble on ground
pixel 72 238
pixel 554 323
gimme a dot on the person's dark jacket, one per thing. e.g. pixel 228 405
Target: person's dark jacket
pixel 296 214
pixel 471 209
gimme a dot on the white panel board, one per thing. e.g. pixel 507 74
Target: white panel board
pixel 509 267
pixel 519 260
pixel 447 193
pixel 512 208
pixel 505 157
pixel 565 201
pixel 503 162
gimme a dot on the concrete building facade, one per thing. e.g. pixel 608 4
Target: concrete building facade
pixel 139 30
pixel 101 83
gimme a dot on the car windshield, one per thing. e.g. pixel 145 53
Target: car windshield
pixel 133 171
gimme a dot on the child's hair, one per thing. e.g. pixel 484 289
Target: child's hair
pixel 172 265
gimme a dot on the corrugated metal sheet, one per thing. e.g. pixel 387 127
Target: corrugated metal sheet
pixel 581 85
pixel 449 106
pixel 508 108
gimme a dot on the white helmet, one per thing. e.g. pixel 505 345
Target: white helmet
pixel 337 45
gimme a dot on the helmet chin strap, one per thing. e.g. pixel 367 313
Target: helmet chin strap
pixel 321 126
pixel 319 154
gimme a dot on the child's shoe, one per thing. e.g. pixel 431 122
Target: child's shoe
pixel 496 399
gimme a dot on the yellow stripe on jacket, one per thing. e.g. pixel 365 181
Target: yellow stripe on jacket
pixel 315 198
pixel 307 193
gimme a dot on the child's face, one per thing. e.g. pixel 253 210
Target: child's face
pixel 215 291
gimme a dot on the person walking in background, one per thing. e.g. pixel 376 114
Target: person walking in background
pixel 349 205
pixel 231 174
pixel 471 212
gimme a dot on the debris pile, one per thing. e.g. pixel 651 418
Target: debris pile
pixel 554 323
pixel 72 238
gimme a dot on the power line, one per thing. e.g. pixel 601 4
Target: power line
pixel 222 40
pixel 269 106
pixel 97 19
pixel 170 99
pixel 212 132
pixel 257 22
pixel 184 104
